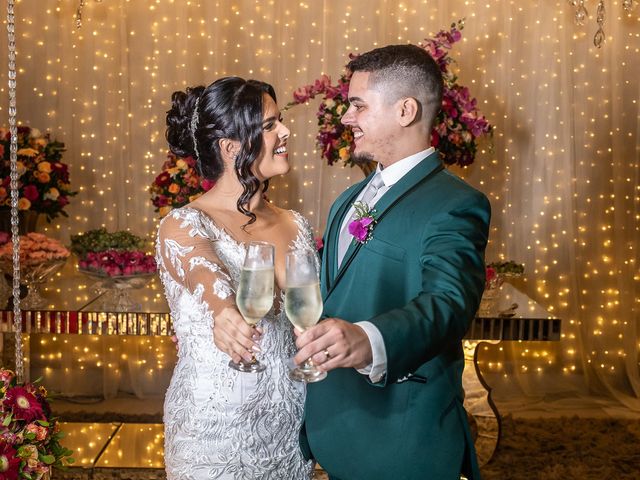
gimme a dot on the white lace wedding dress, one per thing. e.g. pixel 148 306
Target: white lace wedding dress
pixel 220 423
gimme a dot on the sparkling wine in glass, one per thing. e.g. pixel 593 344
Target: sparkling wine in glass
pixel 255 293
pixel 303 304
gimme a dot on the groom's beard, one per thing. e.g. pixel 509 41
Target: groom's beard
pixel 362 158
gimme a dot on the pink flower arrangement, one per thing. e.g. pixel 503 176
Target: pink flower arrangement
pixel 43 179
pixel 114 263
pixel 112 254
pixel 29 436
pixel 35 248
pixel 457 129
pixel 177 184
pixel 334 141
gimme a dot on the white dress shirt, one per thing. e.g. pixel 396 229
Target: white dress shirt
pixel 391 175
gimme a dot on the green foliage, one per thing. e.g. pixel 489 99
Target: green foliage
pixel 99 240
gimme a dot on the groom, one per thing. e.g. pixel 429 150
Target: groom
pixel 398 304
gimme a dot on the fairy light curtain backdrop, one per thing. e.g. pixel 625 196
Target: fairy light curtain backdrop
pixel 562 172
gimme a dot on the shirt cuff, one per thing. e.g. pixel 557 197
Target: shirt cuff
pixel 378 366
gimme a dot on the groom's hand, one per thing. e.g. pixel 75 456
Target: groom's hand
pixel 334 343
pixel 234 336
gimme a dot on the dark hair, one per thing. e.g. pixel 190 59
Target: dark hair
pixel 232 108
pixel 404 71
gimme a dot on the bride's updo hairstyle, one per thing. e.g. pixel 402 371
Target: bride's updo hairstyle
pixel 231 108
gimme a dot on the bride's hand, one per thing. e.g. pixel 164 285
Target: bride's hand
pixel 234 336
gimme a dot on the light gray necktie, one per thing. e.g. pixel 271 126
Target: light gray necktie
pixel 369 194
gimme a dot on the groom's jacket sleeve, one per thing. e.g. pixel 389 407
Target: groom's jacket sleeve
pixel 453 275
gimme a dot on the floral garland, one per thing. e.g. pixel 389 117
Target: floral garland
pixel 29 436
pixel 457 128
pixel 43 181
pixel 177 184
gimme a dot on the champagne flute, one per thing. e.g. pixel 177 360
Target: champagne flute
pixel 255 293
pixel 303 304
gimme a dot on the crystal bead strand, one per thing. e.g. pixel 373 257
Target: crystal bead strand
pixel 599 37
pixel 15 236
pixel 79 14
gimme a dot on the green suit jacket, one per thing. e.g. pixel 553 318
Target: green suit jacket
pixel 419 280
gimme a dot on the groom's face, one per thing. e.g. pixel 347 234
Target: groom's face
pixel 372 121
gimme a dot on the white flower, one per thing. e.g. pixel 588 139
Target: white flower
pixel 52 194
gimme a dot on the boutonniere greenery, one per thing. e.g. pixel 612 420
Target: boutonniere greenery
pixel 364 219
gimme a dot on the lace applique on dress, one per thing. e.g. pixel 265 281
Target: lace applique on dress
pixel 203 262
pixel 304 240
pixel 175 252
pixel 222 289
pixel 221 286
pixel 220 423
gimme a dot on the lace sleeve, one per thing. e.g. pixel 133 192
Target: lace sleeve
pixel 185 252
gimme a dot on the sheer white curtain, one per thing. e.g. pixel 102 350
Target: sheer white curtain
pixel 562 175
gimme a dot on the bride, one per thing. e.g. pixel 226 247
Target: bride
pixel 221 423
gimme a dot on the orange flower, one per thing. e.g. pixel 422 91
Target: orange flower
pixel 174 188
pixel 44 167
pixel 24 204
pixel 3 193
pixel 42 177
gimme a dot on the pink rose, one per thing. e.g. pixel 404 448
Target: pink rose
pixel 41 434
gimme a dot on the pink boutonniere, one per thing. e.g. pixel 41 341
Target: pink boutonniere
pixel 361 227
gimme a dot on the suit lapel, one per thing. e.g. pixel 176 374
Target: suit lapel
pixel 333 233
pixel 417 175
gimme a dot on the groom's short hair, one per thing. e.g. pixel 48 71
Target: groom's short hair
pixel 402 71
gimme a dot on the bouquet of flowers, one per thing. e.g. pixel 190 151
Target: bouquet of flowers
pixel 112 254
pixel 177 184
pixel 35 249
pixel 29 436
pixel 457 128
pixel 43 178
